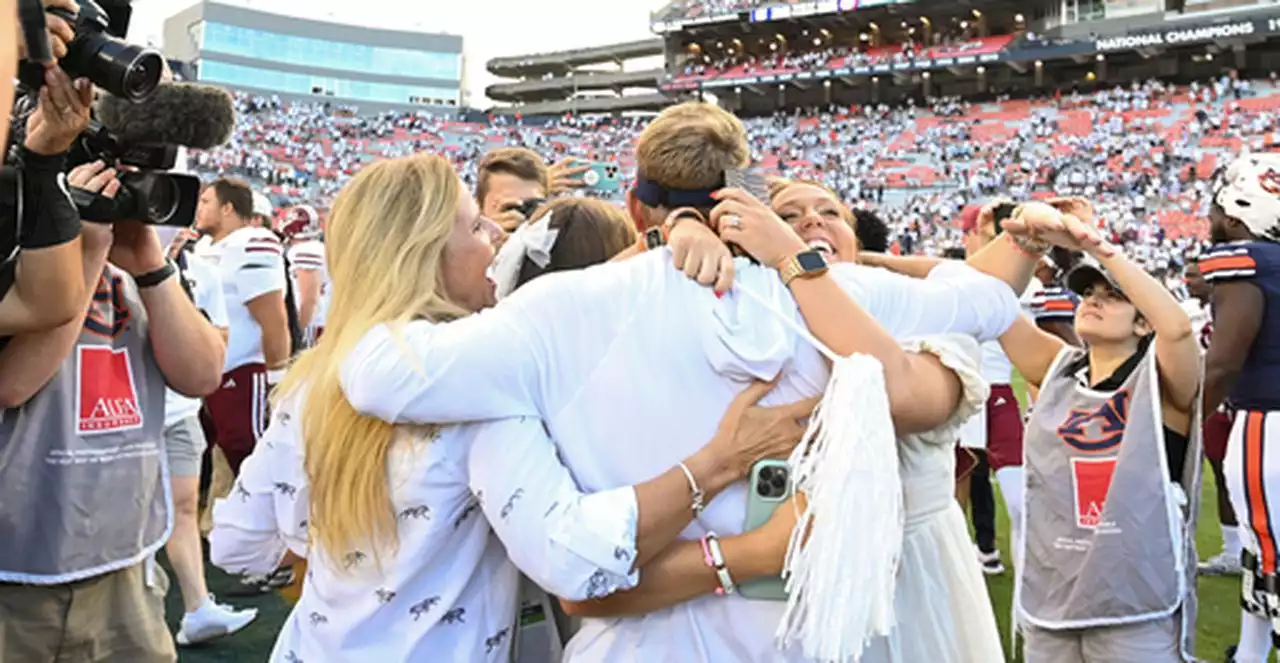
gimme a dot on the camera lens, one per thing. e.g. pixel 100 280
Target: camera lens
pixel 766 473
pixel 162 201
pixel 122 69
pixel 779 481
pixel 764 488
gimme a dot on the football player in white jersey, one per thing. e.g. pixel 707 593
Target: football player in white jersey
pixel 251 265
pixel 302 230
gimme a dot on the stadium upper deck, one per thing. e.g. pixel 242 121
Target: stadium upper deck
pixel 574 82
pixel 841 52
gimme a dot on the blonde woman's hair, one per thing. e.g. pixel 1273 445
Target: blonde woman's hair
pixel 385 240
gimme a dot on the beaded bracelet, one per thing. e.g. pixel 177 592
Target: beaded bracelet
pixel 714 558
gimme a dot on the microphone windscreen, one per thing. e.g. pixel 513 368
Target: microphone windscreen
pixel 199 116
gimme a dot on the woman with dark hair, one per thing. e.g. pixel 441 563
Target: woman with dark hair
pixel 872 231
pixel 566 233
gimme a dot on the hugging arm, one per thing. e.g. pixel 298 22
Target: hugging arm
pixel 581 545
pixel 680 573
pixel 424 372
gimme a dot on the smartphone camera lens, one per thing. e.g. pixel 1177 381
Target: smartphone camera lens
pixel 764 488
pixel 779 481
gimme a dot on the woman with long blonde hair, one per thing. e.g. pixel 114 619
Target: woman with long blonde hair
pixel 393 520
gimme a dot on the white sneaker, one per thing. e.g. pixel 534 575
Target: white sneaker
pixel 991 564
pixel 213 620
pixel 1220 564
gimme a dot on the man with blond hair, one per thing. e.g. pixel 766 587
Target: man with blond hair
pixel 565 347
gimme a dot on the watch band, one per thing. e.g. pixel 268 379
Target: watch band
pixel 155 278
pixel 652 238
pixel 790 270
pixel 793 268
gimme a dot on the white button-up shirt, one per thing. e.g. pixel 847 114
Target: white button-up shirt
pixel 631 365
pixel 448 592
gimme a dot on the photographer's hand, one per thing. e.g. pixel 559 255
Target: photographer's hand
pixel 136 249
pixel 95 177
pixel 62 115
pixel 565 175
pixel 61 32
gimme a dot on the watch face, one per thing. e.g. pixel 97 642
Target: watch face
pixel 811 261
pixel 653 238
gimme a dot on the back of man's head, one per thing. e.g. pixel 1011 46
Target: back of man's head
pixel 689 146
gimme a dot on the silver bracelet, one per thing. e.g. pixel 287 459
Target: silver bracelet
pixel 698 496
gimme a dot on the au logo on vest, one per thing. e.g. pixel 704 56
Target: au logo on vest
pixel 107 397
pixel 110 291
pixel 1094 432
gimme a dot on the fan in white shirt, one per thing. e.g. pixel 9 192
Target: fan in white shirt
pixel 446 589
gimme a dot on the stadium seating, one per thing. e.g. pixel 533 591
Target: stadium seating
pixel 922 164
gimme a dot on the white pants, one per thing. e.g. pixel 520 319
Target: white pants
pixel 1252 469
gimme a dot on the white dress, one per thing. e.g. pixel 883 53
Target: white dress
pixel 944 614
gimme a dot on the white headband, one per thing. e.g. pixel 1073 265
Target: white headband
pixel 531 240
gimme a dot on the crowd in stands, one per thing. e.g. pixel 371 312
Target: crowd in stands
pixel 1144 152
pixel 835 51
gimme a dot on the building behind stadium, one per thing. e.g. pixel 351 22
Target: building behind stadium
pixel 606 79
pixel 316 61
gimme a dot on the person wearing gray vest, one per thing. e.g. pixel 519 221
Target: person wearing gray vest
pixel 1108 554
pixel 84 491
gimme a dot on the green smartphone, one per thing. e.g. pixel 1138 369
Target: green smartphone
pixel 770 486
pixel 603 177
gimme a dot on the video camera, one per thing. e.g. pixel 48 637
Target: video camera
pixel 97 53
pixel 147 193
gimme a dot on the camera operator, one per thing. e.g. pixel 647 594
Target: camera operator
pixel 40 287
pixel 511 183
pixel 84 503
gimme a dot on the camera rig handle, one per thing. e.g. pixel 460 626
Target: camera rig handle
pixel 35 31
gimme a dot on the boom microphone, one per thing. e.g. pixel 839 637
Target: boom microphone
pixel 199 116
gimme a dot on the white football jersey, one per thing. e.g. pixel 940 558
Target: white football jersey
pixel 309 255
pixel 251 264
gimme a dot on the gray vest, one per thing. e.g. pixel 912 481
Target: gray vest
pixel 1107 539
pixel 84 488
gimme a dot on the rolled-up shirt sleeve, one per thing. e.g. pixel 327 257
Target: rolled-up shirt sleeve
pixel 574 545
pixel 955 298
pixel 265 516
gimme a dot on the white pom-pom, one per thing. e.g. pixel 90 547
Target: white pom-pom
pixel 841 580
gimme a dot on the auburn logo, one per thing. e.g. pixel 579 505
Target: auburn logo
pixel 1270 182
pixel 110 291
pixel 1096 431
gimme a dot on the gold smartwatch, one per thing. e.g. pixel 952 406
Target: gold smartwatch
pixel 803 265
